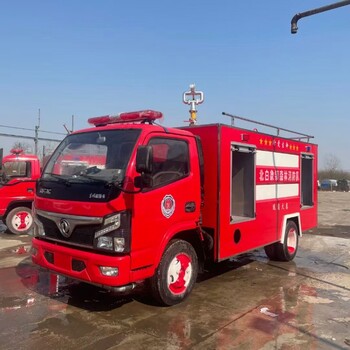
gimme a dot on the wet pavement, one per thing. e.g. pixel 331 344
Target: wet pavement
pixel 246 303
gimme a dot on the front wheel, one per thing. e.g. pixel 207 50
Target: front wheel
pixel 19 220
pixel 176 274
pixel 287 250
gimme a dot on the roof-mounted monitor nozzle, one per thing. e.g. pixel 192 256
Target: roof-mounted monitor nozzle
pixel 295 19
pixel 193 98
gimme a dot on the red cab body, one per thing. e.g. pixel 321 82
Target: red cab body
pixel 17 187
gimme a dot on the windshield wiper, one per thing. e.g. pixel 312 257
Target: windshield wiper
pixel 59 178
pixel 93 178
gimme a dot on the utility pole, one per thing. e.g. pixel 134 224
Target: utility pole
pixel 36 137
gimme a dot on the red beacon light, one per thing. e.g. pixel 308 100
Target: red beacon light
pixel 16 151
pixel 148 116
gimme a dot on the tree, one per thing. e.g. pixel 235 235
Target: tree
pixel 332 169
pixel 332 163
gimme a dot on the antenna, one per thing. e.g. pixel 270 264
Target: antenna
pixel 71 130
pixel 68 131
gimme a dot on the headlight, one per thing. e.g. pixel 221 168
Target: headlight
pixel 114 219
pixel 113 223
pixel 114 235
pixel 119 244
pixel 105 242
pixel 111 243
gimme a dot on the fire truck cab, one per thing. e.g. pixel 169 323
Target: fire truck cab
pixel 160 202
pixel 19 173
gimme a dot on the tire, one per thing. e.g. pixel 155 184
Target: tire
pixel 287 250
pixel 19 220
pixel 176 274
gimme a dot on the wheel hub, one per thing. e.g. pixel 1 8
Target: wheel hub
pixel 21 221
pixel 292 241
pixel 179 273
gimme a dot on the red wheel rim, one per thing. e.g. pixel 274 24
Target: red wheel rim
pixel 292 241
pixel 22 220
pixel 179 273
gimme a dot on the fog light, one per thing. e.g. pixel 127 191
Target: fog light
pixel 105 243
pixel 109 271
pixel 119 244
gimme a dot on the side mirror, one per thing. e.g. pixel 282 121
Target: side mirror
pixel 144 159
pixel 144 166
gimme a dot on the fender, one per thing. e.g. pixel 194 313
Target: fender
pixel 171 233
pixel 14 204
pixel 284 224
pixel 145 272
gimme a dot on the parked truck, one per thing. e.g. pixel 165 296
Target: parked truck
pixel 19 172
pixel 161 202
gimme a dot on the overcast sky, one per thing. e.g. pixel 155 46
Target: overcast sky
pixel 89 58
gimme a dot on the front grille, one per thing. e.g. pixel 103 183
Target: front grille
pixel 82 234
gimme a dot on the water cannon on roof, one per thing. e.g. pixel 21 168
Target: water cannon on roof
pixel 193 98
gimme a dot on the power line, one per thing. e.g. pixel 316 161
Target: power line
pixel 30 137
pixel 27 129
pixel 36 131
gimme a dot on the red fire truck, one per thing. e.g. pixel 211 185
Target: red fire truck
pixel 166 200
pixel 19 173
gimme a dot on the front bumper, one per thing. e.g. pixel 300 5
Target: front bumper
pixel 81 265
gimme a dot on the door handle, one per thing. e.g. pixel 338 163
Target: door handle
pixel 190 207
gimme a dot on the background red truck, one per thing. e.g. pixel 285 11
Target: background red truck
pixel 19 173
pixel 155 203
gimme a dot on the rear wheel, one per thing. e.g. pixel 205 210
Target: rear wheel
pixel 19 220
pixel 287 250
pixel 176 274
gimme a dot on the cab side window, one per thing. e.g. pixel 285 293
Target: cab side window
pixel 17 169
pixel 170 160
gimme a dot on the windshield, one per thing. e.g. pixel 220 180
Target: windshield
pixel 92 156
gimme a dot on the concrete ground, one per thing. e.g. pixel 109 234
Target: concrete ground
pixel 246 303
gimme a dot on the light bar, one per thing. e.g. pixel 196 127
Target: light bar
pixel 127 117
pixel 16 151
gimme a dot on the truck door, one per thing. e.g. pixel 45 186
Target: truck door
pixel 171 203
